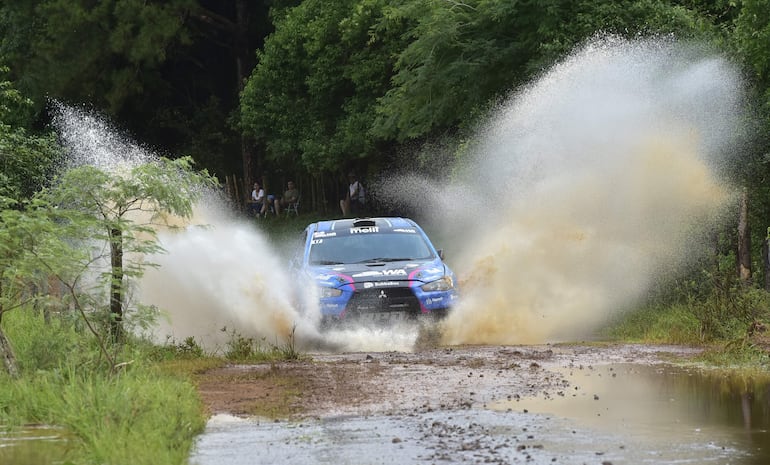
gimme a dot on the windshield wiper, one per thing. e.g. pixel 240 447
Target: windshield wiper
pixel 327 262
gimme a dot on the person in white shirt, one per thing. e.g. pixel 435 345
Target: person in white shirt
pixel 257 204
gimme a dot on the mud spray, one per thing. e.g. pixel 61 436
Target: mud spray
pixel 576 194
pixel 584 187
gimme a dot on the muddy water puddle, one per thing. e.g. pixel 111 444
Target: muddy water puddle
pixel 33 445
pixel 606 414
pixel 660 414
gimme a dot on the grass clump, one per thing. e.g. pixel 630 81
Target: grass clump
pixel 241 348
pixel 657 324
pixel 139 414
pixel 137 417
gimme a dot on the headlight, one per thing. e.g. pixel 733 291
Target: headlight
pixel 443 284
pixel 326 292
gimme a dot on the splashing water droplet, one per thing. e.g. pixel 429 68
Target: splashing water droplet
pixel 583 187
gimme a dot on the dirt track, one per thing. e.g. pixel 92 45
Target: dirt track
pixel 391 383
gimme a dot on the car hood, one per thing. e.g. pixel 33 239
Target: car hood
pixel 405 271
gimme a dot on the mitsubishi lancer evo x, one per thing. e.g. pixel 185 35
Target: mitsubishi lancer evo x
pixel 376 269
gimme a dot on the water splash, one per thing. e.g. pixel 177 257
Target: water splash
pixel 584 186
pixel 92 140
pixel 219 278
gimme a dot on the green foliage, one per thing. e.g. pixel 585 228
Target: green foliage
pixel 140 416
pixel 165 69
pixel 713 308
pixel 338 81
pixel 90 233
pixel 311 98
pixel 752 359
pixel 26 160
pixel 111 43
pixel 752 38
pixel 137 418
pixel 465 55
pixel 243 348
pixel 42 343
pixel 656 324
pixel 112 218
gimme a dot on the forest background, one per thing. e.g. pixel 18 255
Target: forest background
pixel 275 90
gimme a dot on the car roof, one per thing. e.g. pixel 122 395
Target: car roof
pixel 345 225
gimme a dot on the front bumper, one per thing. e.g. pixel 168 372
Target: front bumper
pixel 366 298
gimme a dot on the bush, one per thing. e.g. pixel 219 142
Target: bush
pixel 138 415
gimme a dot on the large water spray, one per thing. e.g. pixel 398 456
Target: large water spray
pixel 575 195
pixel 585 186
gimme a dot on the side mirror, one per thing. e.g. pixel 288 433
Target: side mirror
pixel 440 253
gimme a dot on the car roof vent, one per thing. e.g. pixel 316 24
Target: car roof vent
pixel 364 222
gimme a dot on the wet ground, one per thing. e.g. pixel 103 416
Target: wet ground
pixel 535 404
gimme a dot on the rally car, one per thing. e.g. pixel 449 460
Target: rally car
pixel 376 269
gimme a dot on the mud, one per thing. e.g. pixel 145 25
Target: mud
pixel 472 405
pixel 396 382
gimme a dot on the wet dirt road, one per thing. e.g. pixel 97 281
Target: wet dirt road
pixel 469 405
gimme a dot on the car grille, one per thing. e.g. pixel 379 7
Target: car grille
pixel 393 299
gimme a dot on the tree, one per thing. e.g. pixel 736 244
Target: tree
pixel 465 56
pixel 26 160
pixel 310 100
pixel 121 211
pixel 750 41
pixel 169 71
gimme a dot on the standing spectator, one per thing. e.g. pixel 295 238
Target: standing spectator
pixel 355 200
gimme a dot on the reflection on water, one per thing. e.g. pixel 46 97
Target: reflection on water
pixel 665 414
pixel 33 445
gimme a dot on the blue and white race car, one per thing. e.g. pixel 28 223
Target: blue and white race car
pixel 376 269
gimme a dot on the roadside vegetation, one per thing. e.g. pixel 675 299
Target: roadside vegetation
pixel 710 307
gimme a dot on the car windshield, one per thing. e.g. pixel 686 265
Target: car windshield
pixel 363 248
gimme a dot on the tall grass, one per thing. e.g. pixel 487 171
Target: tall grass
pixel 675 324
pixel 137 416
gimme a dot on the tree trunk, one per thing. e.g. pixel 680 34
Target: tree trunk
pixel 9 360
pixel 116 284
pixel 243 66
pixel 744 244
pixel 766 262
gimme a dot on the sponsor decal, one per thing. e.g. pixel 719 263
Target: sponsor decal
pixel 369 285
pixel 367 273
pixel 364 230
pixel 316 241
pixel 405 230
pixel 324 234
pixel 394 272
